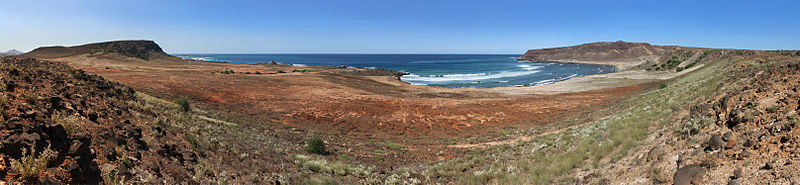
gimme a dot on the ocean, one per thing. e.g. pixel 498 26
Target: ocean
pixel 445 70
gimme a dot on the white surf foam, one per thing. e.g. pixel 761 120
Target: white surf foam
pixel 464 77
pixel 554 80
pixel 199 58
pixel 529 67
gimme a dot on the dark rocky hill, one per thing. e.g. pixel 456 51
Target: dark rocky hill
pixel 598 51
pixel 142 49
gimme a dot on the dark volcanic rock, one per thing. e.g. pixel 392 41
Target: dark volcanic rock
pixel 691 174
pixel 92 116
pixel 715 142
pixel 737 173
pixel 64 120
pixel 745 154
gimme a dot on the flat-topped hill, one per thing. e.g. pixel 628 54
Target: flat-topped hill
pixel 142 49
pixel 597 51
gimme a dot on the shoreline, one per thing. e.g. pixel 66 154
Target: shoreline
pixel 398 75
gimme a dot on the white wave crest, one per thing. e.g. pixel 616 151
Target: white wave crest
pixel 200 58
pixel 529 67
pixel 554 80
pixel 464 77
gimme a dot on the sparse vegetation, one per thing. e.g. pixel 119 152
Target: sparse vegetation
pixel 672 62
pixel 773 108
pixel 3 100
pixel 551 158
pixel 31 164
pixel 698 60
pixel 393 145
pixel 31 98
pixel 70 123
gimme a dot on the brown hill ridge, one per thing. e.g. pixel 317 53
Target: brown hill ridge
pixel 621 54
pixel 142 49
pixel 598 51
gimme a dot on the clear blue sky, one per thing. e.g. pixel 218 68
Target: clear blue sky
pixel 404 26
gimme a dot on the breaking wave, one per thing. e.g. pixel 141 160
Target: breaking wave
pixel 554 80
pixel 465 77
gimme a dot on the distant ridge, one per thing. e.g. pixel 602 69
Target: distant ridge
pixel 597 51
pixel 142 49
pixel 11 52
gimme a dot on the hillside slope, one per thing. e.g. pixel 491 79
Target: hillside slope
pixel 67 126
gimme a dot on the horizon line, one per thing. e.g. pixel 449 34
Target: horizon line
pixel 332 53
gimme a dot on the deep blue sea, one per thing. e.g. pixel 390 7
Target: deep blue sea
pixel 433 69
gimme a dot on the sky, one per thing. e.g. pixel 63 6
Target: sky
pixel 406 26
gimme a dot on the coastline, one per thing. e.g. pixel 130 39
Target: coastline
pixel 618 78
pixel 454 82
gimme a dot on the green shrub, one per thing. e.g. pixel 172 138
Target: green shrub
pixel 31 98
pixel 339 168
pixel 281 71
pixel 30 165
pixel 183 104
pixel 393 145
pixel 316 146
pixel 3 100
pixel 325 180
pixel 773 108
pixel 69 123
pixel 661 86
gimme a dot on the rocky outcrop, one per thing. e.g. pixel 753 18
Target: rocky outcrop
pixel 747 134
pixel 78 126
pixel 142 49
pixel 598 51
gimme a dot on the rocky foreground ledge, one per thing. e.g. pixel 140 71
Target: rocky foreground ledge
pixel 64 125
